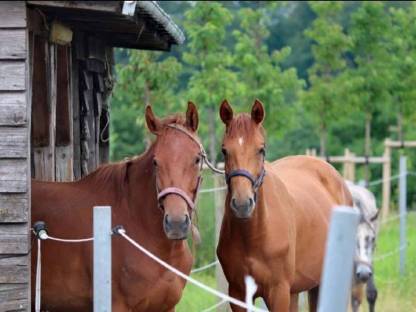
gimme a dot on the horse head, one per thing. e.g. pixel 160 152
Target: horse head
pixel 244 150
pixel 177 165
pixel 366 238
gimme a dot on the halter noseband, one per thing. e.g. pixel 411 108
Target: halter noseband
pixel 175 190
pixel 255 183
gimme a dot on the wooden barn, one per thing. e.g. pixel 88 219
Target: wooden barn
pixel 56 60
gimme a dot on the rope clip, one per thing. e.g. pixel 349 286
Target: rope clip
pixel 40 230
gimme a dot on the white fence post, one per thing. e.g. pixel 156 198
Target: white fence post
pixel 403 212
pixel 102 259
pixel 338 264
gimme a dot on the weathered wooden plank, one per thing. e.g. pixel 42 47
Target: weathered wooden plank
pixel 13 142
pixel 63 109
pixel 12 75
pixel 41 113
pixel 13 44
pixel 14 297
pixel 12 14
pixel 13 244
pixel 13 207
pixel 13 175
pixel 13 111
pixel 14 274
pixel 75 115
pixel 43 163
pixel 64 170
pixel 96 49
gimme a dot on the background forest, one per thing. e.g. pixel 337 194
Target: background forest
pixel 332 75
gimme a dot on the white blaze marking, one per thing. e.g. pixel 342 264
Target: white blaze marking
pixel 241 141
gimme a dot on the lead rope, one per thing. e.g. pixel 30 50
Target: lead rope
pixel 38 278
pixel 201 147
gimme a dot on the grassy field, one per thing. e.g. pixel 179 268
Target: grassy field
pixel 396 293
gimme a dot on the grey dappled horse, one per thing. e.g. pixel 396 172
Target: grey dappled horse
pixel 367 230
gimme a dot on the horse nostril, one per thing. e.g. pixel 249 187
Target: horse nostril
pixel 234 203
pixel 250 202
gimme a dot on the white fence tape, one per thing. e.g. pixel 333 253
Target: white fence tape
pixel 205 267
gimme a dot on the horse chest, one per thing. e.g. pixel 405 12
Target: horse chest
pixel 146 286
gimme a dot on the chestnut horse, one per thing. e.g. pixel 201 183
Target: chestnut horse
pixel 151 195
pixel 276 215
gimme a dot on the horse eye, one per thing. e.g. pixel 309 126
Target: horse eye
pixel 262 151
pixel 197 160
pixel 154 163
pixel 224 152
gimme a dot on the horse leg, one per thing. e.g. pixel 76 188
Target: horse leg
pixel 279 298
pixel 371 292
pixel 313 295
pixel 237 294
pixel 294 302
pixel 356 296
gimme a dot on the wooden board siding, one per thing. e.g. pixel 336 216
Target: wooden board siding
pixel 14 159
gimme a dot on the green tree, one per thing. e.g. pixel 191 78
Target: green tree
pixel 372 74
pixel 402 55
pixel 143 80
pixel 260 71
pixel 208 62
pixel 330 44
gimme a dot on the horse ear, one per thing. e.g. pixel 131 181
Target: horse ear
pixel 192 118
pixel 226 112
pixel 257 112
pixel 374 218
pixel 153 123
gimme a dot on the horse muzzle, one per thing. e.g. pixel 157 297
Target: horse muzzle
pixel 242 208
pixel 176 228
pixel 363 273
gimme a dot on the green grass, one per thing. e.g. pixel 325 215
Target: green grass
pixel 396 293
pixel 195 299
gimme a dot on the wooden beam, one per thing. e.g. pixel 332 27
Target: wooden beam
pixel 398 144
pixel 101 6
pixel 75 87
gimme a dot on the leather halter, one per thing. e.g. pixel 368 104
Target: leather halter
pixel 255 183
pixel 176 190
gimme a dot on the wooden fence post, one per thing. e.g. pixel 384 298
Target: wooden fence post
pixel 403 212
pixel 337 274
pixel 102 259
pixel 385 205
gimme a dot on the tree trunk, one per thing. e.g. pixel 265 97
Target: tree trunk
pixel 212 137
pixel 323 139
pixel 367 147
pixel 147 95
pixel 400 133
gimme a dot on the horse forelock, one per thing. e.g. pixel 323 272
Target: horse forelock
pixel 242 125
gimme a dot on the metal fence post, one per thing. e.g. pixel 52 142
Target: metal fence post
pixel 403 212
pixel 102 259
pixel 338 263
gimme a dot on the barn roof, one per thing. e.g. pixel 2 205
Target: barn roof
pixel 148 27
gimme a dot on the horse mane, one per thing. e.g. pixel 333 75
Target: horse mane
pixel 117 170
pixel 242 124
